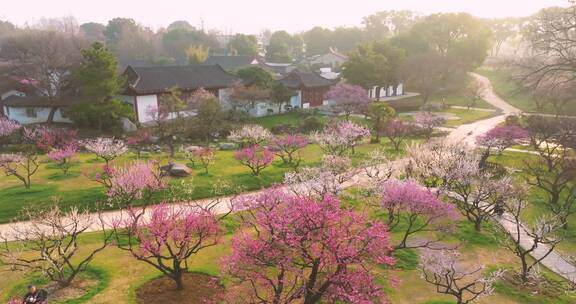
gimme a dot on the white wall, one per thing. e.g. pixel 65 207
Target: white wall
pixel 19 114
pixel 144 103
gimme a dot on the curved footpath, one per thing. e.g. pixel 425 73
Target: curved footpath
pixel 464 133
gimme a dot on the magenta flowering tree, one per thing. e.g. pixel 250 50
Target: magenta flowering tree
pixel 255 158
pixel 168 236
pixel 126 184
pixel 397 131
pixel 305 251
pixel 62 157
pixel 348 98
pixel 428 121
pixel 500 138
pixel 288 147
pixel 413 209
pixel 106 148
pixel 47 139
pixel 340 138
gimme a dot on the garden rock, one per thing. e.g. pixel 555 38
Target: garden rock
pixel 227 146
pixel 178 170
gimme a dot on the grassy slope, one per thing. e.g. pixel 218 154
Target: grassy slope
pixel 506 88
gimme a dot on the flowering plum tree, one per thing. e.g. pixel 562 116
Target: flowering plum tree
pixel 62 157
pixel 397 131
pixel 500 138
pixel 22 166
pixel 341 137
pixel 49 243
pixel 440 164
pixel 250 135
pixel 348 98
pixel 255 158
pixel 7 127
pixel 327 179
pixel 416 208
pixel 428 122
pixel 135 181
pixel 205 157
pixel 305 251
pixel 47 139
pixel 106 148
pixel 287 148
pixel 543 235
pixel 466 285
pixel 168 237
pixel 378 167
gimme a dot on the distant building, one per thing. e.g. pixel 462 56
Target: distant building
pixel 310 88
pixel 147 85
pixel 22 101
pixel 332 59
pixel 233 63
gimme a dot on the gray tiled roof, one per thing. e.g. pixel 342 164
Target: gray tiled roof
pixel 230 63
pixel 298 79
pixel 158 79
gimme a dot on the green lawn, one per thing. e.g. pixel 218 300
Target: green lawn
pixel 466 116
pixel 509 90
pixel 414 103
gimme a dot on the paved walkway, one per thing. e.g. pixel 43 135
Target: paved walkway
pixel 464 133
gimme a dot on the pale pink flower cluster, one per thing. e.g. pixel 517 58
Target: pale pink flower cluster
pixel 327 179
pixel 339 138
pixel 251 135
pixel 106 148
pixel 135 181
pixel 348 98
pixel 255 158
pixel 8 126
pixel 439 164
pixel 299 235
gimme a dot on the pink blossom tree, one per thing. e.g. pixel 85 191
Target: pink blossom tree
pixel 126 184
pixel 500 138
pixel 250 135
pixel 287 148
pixel 7 127
pixel 415 208
pixel 341 137
pixel 428 121
pixel 397 131
pixel 63 157
pixel 106 148
pixel 348 98
pixel 168 237
pixel 47 139
pixel 205 157
pixel 255 158
pixel 305 251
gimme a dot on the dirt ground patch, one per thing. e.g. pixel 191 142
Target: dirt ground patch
pixel 198 288
pixel 77 288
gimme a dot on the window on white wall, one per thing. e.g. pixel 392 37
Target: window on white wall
pixel 31 112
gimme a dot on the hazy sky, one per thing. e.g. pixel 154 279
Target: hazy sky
pixel 254 15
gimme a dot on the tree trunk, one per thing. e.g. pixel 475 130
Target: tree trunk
pixel 50 118
pixel 478 225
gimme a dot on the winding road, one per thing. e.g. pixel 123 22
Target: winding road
pixel 464 133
